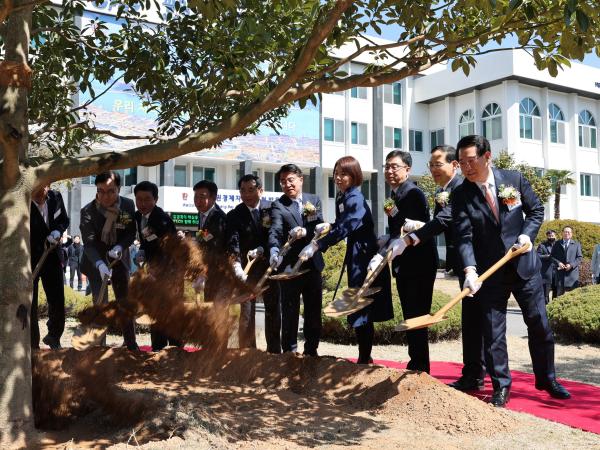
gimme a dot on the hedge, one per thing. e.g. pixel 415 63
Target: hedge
pixel 588 234
pixel 74 302
pixel 575 316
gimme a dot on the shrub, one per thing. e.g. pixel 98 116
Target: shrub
pixel 588 234
pixel 338 331
pixel 74 302
pixel 576 315
pixel 585 272
pixel 334 262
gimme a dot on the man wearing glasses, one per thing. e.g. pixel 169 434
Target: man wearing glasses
pixel 107 230
pixel 492 211
pixel 414 267
pixel 294 210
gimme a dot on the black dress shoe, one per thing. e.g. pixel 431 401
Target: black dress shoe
pixel 364 360
pixel 466 384
pixel 500 397
pixel 554 388
pixel 51 342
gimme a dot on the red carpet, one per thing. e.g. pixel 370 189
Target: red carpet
pixel 582 410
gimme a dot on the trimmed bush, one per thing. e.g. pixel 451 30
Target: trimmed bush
pixel 338 331
pixel 74 302
pixel 588 234
pixel 575 316
pixel 334 262
pixel 585 272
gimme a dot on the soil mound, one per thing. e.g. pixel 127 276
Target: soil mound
pixel 241 396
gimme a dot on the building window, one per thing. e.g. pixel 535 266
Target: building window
pixel 392 137
pixel 161 177
pixel 365 188
pixel 437 138
pixel 557 124
pixel 306 183
pixel 331 187
pixel 202 173
pixel 415 141
pixel 392 93
pixel 491 122
pixel 466 124
pixel 530 122
pixel 587 129
pixel 88 180
pixel 589 185
pixel 333 130
pixel 271 183
pixel 359 133
pixel 181 176
pixel 358 92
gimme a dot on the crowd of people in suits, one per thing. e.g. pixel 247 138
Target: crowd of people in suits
pixel 481 216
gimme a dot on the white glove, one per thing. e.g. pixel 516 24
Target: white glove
pixel 322 229
pixel 180 234
pixel 308 251
pixel 524 240
pixel 116 252
pixel 382 240
pixel 198 283
pixel 398 246
pixel 239 272
pixel 105 272
pixel 54 237
pixel 140 258
pixel 411 225
pixel 258 251
pixel 275 259
pixel 298 232
pixel 471 281
pixel 374 263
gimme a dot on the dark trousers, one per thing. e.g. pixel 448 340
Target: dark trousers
pixel 273 317
pixel 547 289
pixel 120 285
pixel 416 291
pixel 561 288
pixel 160 341
pixel 529 294
pixel 75 268
pixel 247 325
pixel 310 286
pixel 51 275
pixel 472 337
pixel 364 337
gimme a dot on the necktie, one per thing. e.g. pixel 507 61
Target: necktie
pixel 202 220
pixel 491 201
pixel 299 206
pixel 393 195
pixel 566 245
pixel 144 222
pixel 256 215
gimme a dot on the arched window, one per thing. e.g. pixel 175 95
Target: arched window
pixel 557 124
pixel 530 122
pixel 491 121
pixel 587 129
pixel 466 124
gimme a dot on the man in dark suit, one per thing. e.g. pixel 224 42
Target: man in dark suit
pixel 107 229
pixel 152 224
pixel 443 166
pixel 544 251
pixel 295 209
pixel 211 235
pixel 566 256
pixel 247 229
pixel 493 210
pixel 414 268
pixel 48 221
pixel 74 256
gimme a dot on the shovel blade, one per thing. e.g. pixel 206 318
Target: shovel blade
pixel 342 307
pixel 351 292
pixel 287 275
pixel 419 322
pixel 86 337
pixel 144 320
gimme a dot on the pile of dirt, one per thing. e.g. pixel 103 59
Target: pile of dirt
pixel 243 396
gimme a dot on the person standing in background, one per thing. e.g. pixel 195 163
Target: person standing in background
pixel 567 257
pixel 74 255
pixel 545 251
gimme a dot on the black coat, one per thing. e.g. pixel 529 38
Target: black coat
pixel 212 235
pixel 572 256
pixel 39 231
pixel 159 224
pixel 544 251
pixel 75 254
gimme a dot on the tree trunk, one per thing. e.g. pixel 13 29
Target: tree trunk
pixel 16 411
pixel 557 202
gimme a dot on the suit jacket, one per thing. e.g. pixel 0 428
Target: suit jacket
pixel 412 204
pixel 244 233
pixel 596 261
pixel 544 251
pixel 212 234
pixel 571 256
pixel 159 224
pixel 91 224
pixel 442 223
pixel 480 240
pixel 285 216
pixel 39 231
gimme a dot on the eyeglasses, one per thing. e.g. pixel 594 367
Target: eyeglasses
pixel 393 167
pixel 288 180
pixel 436 165
pixel 468 161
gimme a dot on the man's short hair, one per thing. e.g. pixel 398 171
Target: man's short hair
pixel 105 176
pixel 289 168
pixel 351 166
pixel 250 177
pixel 404 156
pixel 448 150
pixel 569 227
pixel 474 140
pixel 146 186
pixel 210 186
pixel 550 231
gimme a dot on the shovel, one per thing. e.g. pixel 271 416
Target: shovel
pixel 320 231
pixel 251 256
pixel 48 248
pixel 430 319
pixel 85 337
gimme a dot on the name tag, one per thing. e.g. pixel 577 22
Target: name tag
pixel 151 237
pixel 57 213
pixel 341 208
pixel 514 205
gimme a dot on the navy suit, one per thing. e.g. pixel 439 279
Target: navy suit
pixel 211 237
pixel 544 251
pixel 51 272
pixel 567 280
pixel 482 241
pixel 245 233
pixel 285 216
pixel 414 270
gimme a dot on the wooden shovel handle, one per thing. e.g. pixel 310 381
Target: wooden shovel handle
pixel 510 254
pixel 372 275
pixel 105 281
